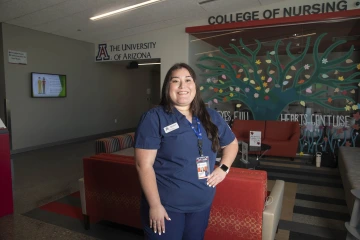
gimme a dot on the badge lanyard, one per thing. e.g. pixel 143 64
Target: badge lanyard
pixel 198 134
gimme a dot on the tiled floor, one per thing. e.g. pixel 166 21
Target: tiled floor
pixel 44 175
pixel 39 177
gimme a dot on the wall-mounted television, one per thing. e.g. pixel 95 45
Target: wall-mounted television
pixel 48 85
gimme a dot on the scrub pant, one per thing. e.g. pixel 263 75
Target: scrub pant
pixel 183 226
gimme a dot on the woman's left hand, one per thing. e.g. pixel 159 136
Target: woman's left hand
pixel 216 177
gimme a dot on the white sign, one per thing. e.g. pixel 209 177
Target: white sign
pixel 2 125
pixel 255 138
pixel 17 57
pixel 125 51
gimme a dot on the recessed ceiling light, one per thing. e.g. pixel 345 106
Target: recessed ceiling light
pixel 125 9
pixel 233 40
pixel 148 63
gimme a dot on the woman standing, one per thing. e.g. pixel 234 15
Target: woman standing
pixel 175 152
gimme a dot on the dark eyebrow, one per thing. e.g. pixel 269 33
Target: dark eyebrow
pixel 178 77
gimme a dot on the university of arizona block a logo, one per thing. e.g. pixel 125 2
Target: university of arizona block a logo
pixel 102 53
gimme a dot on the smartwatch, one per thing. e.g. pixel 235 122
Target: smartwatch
pixel 224 168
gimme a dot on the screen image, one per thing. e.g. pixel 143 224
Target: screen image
pixel 48 85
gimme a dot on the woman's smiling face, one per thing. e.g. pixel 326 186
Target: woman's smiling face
pixel 182 88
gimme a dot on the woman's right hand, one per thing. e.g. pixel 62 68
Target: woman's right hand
pixel 157 215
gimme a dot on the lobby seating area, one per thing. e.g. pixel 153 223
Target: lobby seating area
pixel 238 210
pixel 308 192
pixel 283 137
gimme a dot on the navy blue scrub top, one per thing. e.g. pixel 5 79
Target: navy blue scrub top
pixel 175 166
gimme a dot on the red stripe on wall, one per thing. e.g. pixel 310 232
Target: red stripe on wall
pixel 276 21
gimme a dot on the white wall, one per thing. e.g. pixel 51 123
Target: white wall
pixel 173 43
pixel 96 93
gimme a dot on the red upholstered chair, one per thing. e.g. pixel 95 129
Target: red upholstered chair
pixel 238 211
pixel 110 190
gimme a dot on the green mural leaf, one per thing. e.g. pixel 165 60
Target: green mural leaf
pixel 324 76
pixel 272 53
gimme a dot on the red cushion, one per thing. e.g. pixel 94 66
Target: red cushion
pixel 236 213
pixel 242 128
pixel 278 130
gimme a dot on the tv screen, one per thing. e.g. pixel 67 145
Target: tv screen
pixel 48 85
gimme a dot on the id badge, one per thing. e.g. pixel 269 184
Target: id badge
pixel 203 167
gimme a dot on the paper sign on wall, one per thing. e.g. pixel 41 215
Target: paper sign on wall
pixel 255 138
pixel 2 125
pixel 17 57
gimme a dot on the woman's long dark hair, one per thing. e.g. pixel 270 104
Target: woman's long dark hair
pixel 197 106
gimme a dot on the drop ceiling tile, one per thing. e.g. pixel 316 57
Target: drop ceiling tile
pixel 66 17
pixel 19 8
pixel 3 1
pixel 228 6
pixel 55 12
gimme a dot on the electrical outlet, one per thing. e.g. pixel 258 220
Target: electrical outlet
pixel 115 120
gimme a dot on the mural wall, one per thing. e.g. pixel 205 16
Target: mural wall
pixel 308 73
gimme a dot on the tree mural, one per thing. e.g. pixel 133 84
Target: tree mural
pixel 267 85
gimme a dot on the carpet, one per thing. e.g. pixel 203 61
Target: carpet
pixel 66 213
pixel 314 207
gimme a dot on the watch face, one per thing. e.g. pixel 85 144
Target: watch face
pixel 224 167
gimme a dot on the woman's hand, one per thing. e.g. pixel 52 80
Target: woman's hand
pixel 216 177
pixel 157 215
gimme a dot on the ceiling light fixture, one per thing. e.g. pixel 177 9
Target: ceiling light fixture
pixel 148 63
pixel 125 9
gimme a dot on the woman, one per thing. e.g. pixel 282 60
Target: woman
pixel 175 152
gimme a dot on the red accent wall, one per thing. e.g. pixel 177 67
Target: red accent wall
pixel 6 197
pixel 276 21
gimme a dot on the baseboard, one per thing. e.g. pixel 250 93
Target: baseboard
pixel 74 140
